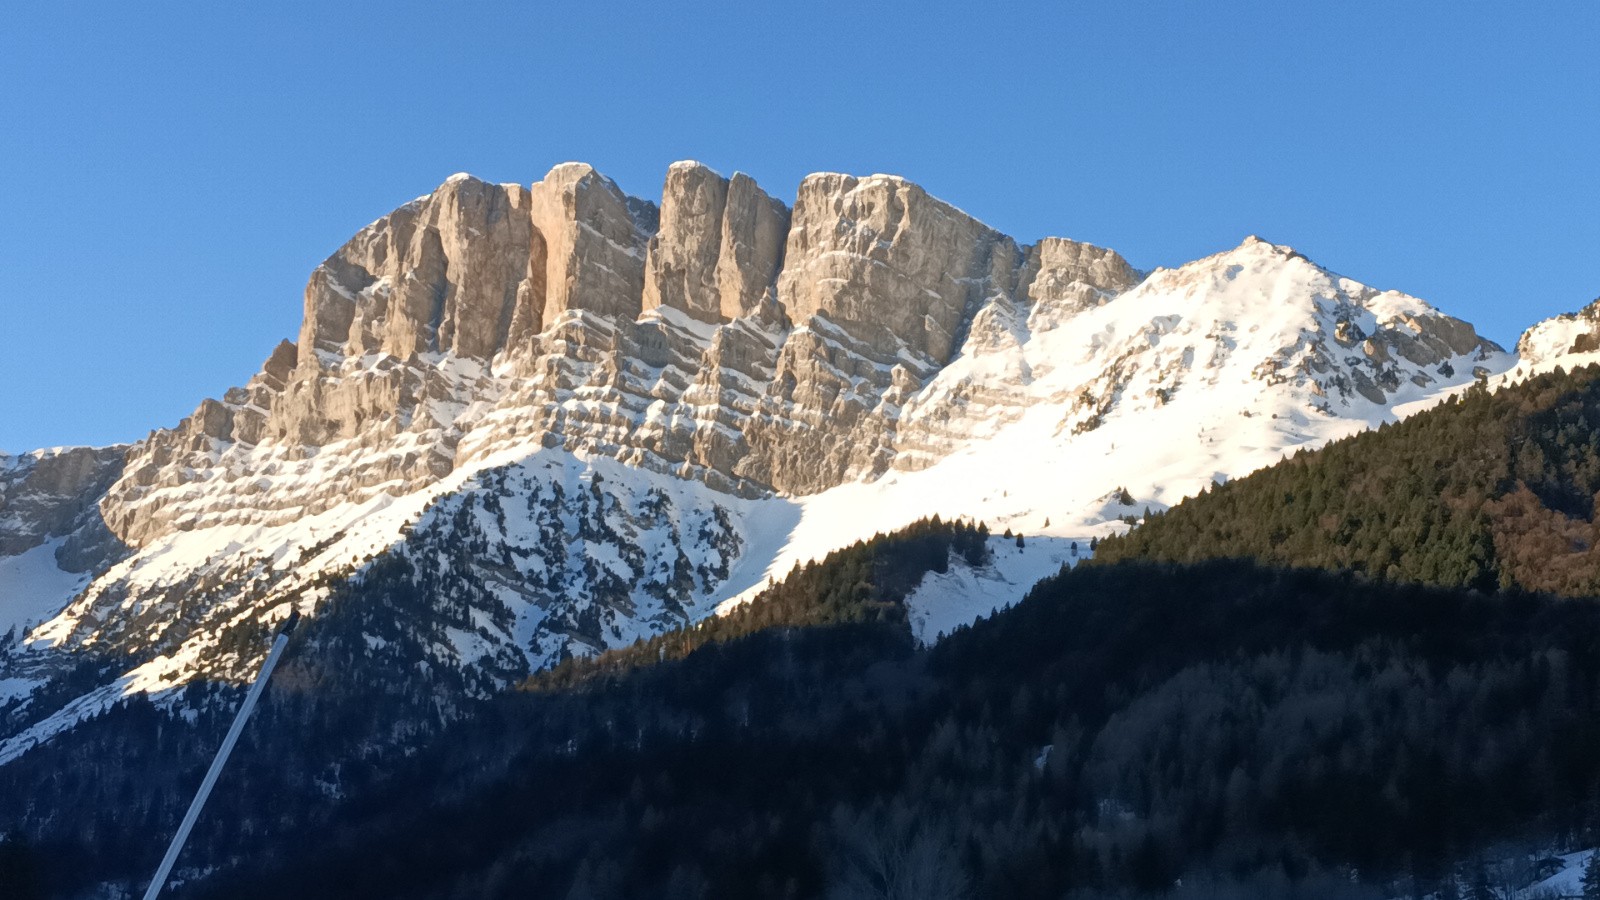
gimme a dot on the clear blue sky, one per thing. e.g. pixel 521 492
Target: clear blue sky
pixel 171 172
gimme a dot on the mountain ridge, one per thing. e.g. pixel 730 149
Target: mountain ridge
pixel 891 358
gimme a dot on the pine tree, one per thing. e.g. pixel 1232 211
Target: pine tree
pixel 1591 877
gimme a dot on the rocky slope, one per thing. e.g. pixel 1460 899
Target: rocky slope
pixel 1569 337
pixel 630 414
pixel 53 493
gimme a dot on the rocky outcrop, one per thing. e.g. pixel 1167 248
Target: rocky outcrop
pixel 474 268
pixel 1073 276
pixel 49 494
pixel 755 228
pixel 442 273
pixel 720 245
pixel 473 273
pixel 1568 334
pixel 884 261
pixel 881 281
pixel 592 244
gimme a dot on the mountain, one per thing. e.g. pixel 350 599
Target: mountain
pixel 788 379
pixel 526 424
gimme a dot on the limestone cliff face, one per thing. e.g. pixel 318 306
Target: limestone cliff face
pixel 400 324
pixel 891 265
pixel 474 268
pixel 721 338
pixel 754 229
pixel 880 281
pixel 441 273
pixel 593 245
pixel 1073 276
pixel 52 493
pixel 720 246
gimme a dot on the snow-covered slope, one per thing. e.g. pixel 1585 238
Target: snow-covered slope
pixel 570 467
pixel 1198 374
pixel 959 596
pixel 1568 340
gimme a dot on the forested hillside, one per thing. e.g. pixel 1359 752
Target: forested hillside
pixel 360 689
pixel 1488 490
pixel 1244 726
pixel 1234 727
pixel 866 582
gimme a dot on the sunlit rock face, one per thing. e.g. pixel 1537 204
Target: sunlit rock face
pixel 720 246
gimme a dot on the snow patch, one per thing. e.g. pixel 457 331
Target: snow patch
pixel 963 594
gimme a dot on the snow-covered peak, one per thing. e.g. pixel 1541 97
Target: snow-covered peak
pixel 1260 283
pixel 1197 374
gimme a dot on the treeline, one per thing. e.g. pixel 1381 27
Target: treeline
pixel 865 582
pixel 1226 726
pixel 1488 490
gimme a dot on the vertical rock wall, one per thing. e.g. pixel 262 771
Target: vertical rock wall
pixel 722 337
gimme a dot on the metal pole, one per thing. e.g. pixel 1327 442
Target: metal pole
pixel 221 759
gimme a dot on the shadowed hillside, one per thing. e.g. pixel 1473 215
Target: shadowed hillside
pixel 1272 732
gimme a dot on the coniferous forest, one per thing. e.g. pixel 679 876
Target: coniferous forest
pixel 1227 726
pixel 1369 671
pixel 1487 490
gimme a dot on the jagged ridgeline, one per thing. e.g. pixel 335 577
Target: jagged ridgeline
pixel 1489 489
